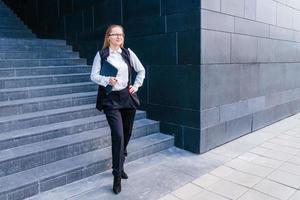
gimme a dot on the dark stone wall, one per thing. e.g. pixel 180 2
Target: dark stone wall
pixel 165 34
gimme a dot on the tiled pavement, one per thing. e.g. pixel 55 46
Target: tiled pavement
pixel 264 165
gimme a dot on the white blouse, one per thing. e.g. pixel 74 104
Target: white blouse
pixel 116 59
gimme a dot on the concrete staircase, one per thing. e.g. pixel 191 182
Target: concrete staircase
pixel 50 132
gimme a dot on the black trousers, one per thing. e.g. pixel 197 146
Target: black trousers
pixel 121 123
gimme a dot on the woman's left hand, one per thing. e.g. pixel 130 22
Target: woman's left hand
pixel 132 89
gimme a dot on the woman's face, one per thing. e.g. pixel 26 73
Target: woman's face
pixel 116 37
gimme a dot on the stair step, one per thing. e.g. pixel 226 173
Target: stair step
pixel 35 42
pixel 65 171
pixel 26 81
pixel 7 30
pixel 10 20
pixel 32 155
pixel 48 90
pixel 38 55
pixel 32 71
pixel 13 34
pixel 12 25
pixel 38 104
pixel 41 62
pixel 40 133
pixel 33 48
pixel 10 123
pixel 5 13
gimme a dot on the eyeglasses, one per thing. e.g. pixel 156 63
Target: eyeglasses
pixel 116 34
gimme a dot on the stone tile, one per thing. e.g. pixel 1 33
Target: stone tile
pixel 250 9
pixel 210 117
pixel 233 7
pixel 211 4
pixel 169 197
pixel 255 195
pixel 226 89
pixel 266 11
pixel 206 180
pixel 187 191
pixel 293 132
pixel 296 196
pixel 295 160
pixel 237 128
pixel 288 143
pixel 194 166
pixel 274 189
pixel 281 33
pixel 250 27
pixel 248 156
pixel 222 171
pixel 243 49
pixel 291 168
pixel 207 195
pixel 249 167
pixel 296 23
pixel 281 148
pixel 228 189
pixel 284 16
pixel 271 153
pixel 244 179
pixel 212 137
pixel 215 47
pixel 288 137
pixel 260 160
pixel 233 148
pixel 217 21
pixel 285 178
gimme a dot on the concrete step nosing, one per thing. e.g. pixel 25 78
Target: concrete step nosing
pixel 39 80
pixel 34 41
pixel 41 62
pixel 45 87
pixel 45 67
pixel 45 103
pixel 34 92
pixel 47 99
pixel 43 76
pixel 40 71
pixel 45 117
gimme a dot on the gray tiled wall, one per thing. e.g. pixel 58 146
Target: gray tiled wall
pixel 249 66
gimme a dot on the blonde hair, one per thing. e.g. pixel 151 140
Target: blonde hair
pixel 108 31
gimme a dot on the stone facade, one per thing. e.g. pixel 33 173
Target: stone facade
pixel 249 66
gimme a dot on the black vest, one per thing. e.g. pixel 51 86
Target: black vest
pixel 104 100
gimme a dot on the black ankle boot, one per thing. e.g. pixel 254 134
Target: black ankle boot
pixel 117 184
pixel 124 175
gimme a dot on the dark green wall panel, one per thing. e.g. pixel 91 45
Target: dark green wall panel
pixel 136 9
pixel 188 47
pixel 156 49
pixel 174 86
pixel 183 21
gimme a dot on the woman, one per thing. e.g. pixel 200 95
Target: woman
pixel 120 104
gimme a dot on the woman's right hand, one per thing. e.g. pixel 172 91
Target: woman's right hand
pixel 112 81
